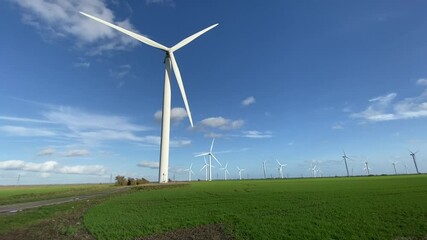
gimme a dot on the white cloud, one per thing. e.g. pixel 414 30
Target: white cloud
pixel 383 108
pixel 121 71
pixel 61 19
pixel 213 135
pixel 337 126
pixel 422 81
pixel 82 64
pixel 77 153
pixel 148 164
pixel 221 123
pixel 257 134
pixel 51 167
pixel 248 101
pixel 79 120
pixel 44 175
pixel 26 131
pixel 166 3
pixel 18 119
pixel 177 114
pixel 46 152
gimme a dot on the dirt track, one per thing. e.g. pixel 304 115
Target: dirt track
pixel 13 208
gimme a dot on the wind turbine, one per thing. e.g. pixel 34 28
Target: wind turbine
pixel 170 63
pixel 190 171
pixel 345 161
pixel 394 166
pixel 406 168
pixel 415 162
pixel 211 155
pixel 225 171
pixel 281 168
pixel 263 167
pixel 240 172
pixel 206 168
pixel 366 168
pixel 313 169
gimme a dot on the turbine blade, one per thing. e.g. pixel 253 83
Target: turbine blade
pixel 181 86
pixel 278 162
pixel 213 140
pixel 216 159
pixel 203 154
pixel 191 38
pixel 129 33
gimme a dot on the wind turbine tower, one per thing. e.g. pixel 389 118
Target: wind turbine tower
pixel 345 161
pixel 170 64
pixel 263 168
pixel 415 162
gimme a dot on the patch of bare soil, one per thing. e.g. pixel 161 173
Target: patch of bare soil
pixel 205 232
pixel 68 226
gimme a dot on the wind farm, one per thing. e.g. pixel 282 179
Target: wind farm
pixel 307 120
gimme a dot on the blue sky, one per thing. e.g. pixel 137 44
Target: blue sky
pixel 297 81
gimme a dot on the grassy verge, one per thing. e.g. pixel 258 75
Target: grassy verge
pixel 341 208
pixel 19 194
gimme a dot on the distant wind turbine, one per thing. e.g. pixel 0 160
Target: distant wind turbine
pixel 206 168
pixel 263 167
pixel 170 64
pixel 19 178
pixel 394 166
pixel 415 162
pixel 211 155
pixel 345 161
pixel 225 171
pixel 367 169
pixel 280 168
pixel 240 172
pixel 190 171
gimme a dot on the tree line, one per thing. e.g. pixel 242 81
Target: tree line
pixel 123 181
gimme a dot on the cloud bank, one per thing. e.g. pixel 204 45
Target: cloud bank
pixel 52 167
pixel 386 108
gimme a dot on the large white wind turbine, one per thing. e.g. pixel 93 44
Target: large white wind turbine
pixel 415 162
pixel 281 168
pixel 240 172
pixel 190 171
pixel 211 155
pixel 225 171
pixel 170 63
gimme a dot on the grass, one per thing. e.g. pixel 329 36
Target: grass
pixel 19 194
pixel 388 207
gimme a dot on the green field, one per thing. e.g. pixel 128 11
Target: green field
pixel 393 207
pixel 19 194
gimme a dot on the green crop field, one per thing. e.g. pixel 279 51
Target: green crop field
pixel 19 194
pixel 392 207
